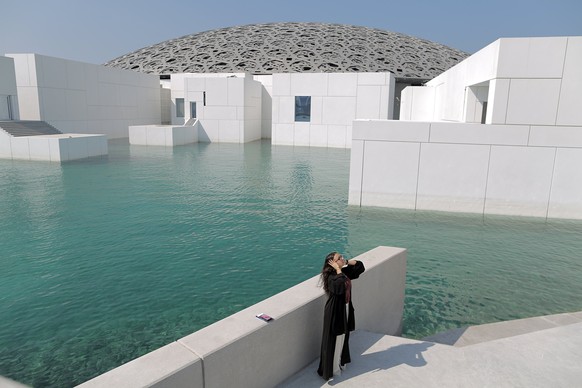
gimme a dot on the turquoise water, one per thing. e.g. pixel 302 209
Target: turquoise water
pixel 104 260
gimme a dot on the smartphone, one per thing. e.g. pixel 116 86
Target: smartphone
pixel 264 317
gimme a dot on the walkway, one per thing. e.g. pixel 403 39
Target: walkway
pixel 546 357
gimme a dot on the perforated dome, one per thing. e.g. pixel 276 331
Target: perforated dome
pixel 294 47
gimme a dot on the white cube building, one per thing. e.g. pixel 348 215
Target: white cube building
pixel 499 133
pixel 227 106
pixel 77 97
pixel 317 109
pixel 23 140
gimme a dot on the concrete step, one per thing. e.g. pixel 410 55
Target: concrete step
pixel 492 331
pixel 20 128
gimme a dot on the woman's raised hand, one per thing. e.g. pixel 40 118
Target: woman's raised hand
pixel 335 266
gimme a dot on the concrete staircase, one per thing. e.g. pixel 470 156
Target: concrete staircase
pixel 28 128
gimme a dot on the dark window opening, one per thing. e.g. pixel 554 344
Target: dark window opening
pixel 193 109
pixel 303 108
pixel 179 107
pixel 484 112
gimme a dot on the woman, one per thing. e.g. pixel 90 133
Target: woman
pixel 338 316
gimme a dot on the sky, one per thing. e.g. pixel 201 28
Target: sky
pixel 97 31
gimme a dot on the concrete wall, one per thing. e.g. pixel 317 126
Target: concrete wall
pixel 526 81
pixel 52 148
pixel 528 90
pixel 227 106
pixel 243 351
pixel 266 104
pixel 336 100
pixel 526 170
pixel 165 103
pixel 163 135
pixel 78 97
pixel 8 90
pixel 178 90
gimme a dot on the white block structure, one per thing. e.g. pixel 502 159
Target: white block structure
pixel 500 133
pixel 8 90
pixel 515 81
pixel 266 81
pixel 85 98
pixel 163 135
pixel 335 100
pixel 228 106
pixel 52 148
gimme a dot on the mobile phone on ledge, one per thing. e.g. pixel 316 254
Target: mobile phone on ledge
pixel 264 317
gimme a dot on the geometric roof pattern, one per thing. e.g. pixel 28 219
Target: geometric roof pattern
pixel 292 48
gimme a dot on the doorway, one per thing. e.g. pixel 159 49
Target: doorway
pixel 192 109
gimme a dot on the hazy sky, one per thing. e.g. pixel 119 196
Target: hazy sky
pixel 99 30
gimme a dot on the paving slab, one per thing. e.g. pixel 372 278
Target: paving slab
pixel 471 335
pixel 551 357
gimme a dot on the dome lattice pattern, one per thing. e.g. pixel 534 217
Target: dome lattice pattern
pixel 292 48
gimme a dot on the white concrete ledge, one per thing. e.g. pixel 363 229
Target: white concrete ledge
pixel 163 135
pixel 53 148
pixel 470 133
pixel 170 366
pixel 7 383
pixel 243 351
pixel 517 170
pixel 391 130
pixel 552 136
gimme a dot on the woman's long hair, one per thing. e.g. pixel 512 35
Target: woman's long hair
pixel 326 271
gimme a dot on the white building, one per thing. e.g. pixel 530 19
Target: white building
pixel 298 109
pixel 499 133
pixel 77 97
pixel 36 140
pixel 318 109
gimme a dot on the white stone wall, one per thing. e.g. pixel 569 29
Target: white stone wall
pixel 163 135
pixel 8 90
pixel 78 97
pixel 178 90
pixel 525 170
pixel 52 148
pixel 527 81
pixel 336 100
pixel 228 106
pixel 5 145
pixel 266 104
pixel 521 162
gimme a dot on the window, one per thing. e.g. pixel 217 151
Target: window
pixel 179 107
pixel 6 107
pixel 484 112
pixel 303 108
pixel 192 109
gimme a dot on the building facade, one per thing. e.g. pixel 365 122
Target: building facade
pixel 499 133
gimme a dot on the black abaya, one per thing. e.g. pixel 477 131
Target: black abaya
pixel 335 321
